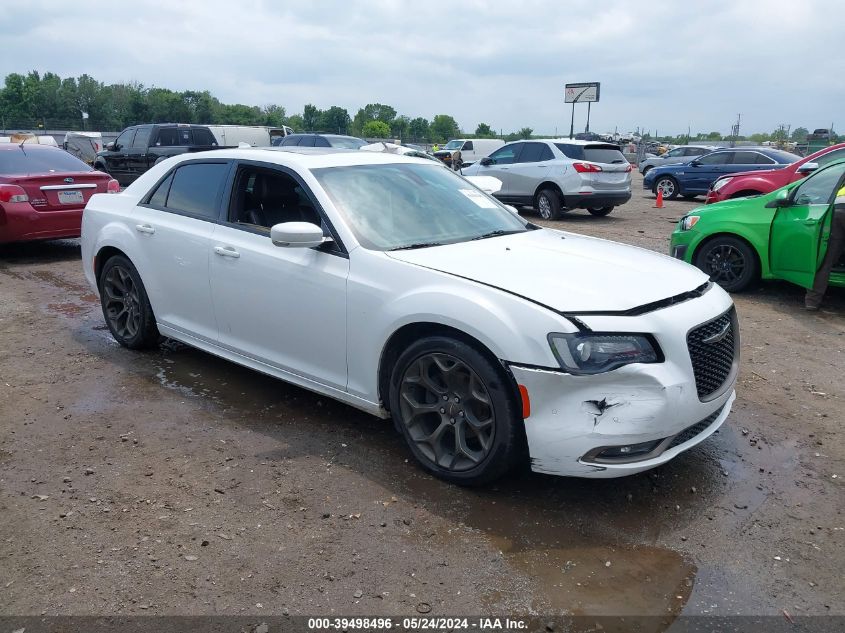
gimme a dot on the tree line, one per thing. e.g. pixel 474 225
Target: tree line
pixel 34 101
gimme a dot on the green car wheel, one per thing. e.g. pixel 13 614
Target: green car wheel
pixel 729 261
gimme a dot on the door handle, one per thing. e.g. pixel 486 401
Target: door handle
pixel 145 228
pixel 226 251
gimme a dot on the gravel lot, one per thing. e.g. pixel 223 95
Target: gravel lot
pixel 172 482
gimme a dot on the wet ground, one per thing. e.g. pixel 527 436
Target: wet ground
pixel 174 482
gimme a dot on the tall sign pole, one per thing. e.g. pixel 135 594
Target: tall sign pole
pixel 581 93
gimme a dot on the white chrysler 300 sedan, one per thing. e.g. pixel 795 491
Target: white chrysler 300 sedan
pixel 396 286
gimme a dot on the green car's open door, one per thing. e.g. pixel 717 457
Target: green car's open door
pixel 801 227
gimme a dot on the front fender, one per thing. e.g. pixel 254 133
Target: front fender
pixel 385 295
pixel 757 235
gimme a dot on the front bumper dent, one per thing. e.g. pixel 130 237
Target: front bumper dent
pixel 574 418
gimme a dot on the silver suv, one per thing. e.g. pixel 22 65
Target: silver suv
pixel 556 175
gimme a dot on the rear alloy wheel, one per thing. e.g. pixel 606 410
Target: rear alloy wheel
pixel 455 411
pixel 126 307
pixel 729 261
pixel 599 211
pixel 548 205
pixel 669 187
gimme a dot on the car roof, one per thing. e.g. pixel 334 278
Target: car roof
pixel 308 157
pixel 568 141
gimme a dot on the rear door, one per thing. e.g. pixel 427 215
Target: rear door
pixel 700 173
pixel 503 161
pixel 174 224
pixel 800 231
pixel 530 169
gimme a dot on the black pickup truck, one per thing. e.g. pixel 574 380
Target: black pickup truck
pixel 141 146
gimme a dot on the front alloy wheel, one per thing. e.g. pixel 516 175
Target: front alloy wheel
pixel 669 187
pixel 455 410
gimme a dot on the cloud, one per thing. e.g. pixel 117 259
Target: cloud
pixel 663 64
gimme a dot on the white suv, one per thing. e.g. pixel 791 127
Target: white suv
pixel 556 175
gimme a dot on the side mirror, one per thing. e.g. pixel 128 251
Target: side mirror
pixel 297 235
pixel 512 209
pixel 806 168
pixel 111 146
pixel 694 163
pixel 486 161
pixel 780 200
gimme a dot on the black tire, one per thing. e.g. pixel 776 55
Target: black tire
pixel 669 185
pixel 600 211
pixel 548 204
pixel 493 441
pixel 126 307
pixel 729 261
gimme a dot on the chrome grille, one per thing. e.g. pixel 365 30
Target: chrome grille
pixel 713 349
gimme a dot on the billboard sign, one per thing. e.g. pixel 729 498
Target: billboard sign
pixel 582 93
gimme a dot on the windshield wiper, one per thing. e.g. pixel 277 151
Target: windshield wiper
pixel 418 245
pixel 495 233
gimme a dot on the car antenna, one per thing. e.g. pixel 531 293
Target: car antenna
pixel 22 149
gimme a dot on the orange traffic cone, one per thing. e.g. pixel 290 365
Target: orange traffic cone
pixel 659 202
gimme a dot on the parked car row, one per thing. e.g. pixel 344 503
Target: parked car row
pixel 694 177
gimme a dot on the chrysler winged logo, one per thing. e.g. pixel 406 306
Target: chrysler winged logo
pixel 68 180
pixel 718 336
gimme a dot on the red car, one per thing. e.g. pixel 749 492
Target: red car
pixel 43 191
pixel 754 183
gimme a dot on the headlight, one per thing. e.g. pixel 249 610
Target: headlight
pixel 591 353
pixel 689 221
pixel 721 183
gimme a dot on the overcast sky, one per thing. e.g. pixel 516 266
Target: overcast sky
pixel 662 64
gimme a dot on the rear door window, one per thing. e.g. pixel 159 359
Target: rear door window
pixel 186 136
pixel 716 158
pixel 320 141
pixel 167 137
pixel 308 141
pixel 745 158
pixel 290 141
pixel 607 154
pixel 534 153
pixel 195 189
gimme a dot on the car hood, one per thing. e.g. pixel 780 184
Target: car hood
pixel 563 271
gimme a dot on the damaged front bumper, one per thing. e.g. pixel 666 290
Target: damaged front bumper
pixel 633 418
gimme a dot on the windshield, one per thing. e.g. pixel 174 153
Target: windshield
pixel 410 205
pixel 453 145
pixel 43 161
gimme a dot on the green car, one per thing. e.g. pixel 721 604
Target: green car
pixel 780 235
